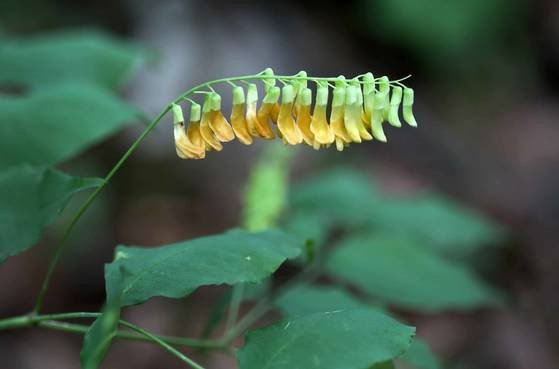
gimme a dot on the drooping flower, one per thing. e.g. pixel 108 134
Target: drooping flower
pixel 218 123
pixel 359 108
pixel 337 114
pixel 255 127
pixel 238 119
pixel 304 115
pixel 186 143
pixel 265 113
pixel 358 111
pixel 286 124
pixel 395 101
pixel 205 129
pixel 377 116
pixel 407 105
pixel 323 133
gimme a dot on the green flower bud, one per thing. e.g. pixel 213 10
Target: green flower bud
pixel 407 107
pixel 395 101
pixel 177 114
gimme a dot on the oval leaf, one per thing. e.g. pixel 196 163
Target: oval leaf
pixel 32 198
pixel 349 339
pixel 56 123
pixel 176 270
pixel 308 299
pixel 401 272
pixel 89 56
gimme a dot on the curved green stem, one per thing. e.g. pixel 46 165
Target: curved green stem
pixel 62 243
pixel 50 321
pixel 162 343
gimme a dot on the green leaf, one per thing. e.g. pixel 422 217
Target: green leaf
pixel 458 229
pixel 266 191
pixel 401 272
pixel 385 365
pixel 55 123
pixel 341 194
pixel 420 356
pixel 349 339
pixel 349 198
pixel 308 299
pixel 32 198
pixel 100 334
pixel 88 56
pixel 176 270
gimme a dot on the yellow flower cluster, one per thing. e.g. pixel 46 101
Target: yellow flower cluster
pixel 358 109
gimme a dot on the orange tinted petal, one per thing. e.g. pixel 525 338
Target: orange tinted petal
pixel 322 131
pixel 207 133
pixel 262 125
pixel 221 127
pixel 304 123
pixel 287 126
pixel 239 123
pixel 194 141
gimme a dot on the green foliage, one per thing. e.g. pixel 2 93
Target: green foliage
pixel 87 56
pixel 459 230
pixel 176 270
pixel 420 356
pixel 266 191
pixel 351 199
pixel 308 299
pixel 55 123
pixel 399 271
pixel 393 249
pixel 100 334
pixel 32 198
pixel 439 29
pixel 355 338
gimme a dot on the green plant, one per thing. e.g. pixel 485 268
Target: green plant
pixel 323 326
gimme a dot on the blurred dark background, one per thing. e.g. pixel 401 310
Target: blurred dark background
pixel 487 101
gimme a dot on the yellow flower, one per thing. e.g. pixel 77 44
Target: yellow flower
pixel 184 149
pixel 286 124
pixel 194 140
pixel 322 131
pixel 255 127
pixel 265 112
pixel 218 123
pixel 365 135
pixel 298 85
pixel 337 118
pixel 304 116
pixel 238 119
pixel 359 108
pixel 205 129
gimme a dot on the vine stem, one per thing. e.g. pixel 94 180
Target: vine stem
pixel 50 321
pixel 63 241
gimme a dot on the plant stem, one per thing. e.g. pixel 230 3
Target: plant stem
pixel 236 299
pixel 162 343
pixel 172 340
pixel 50 321
pixel 265 305
pixel 61 245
